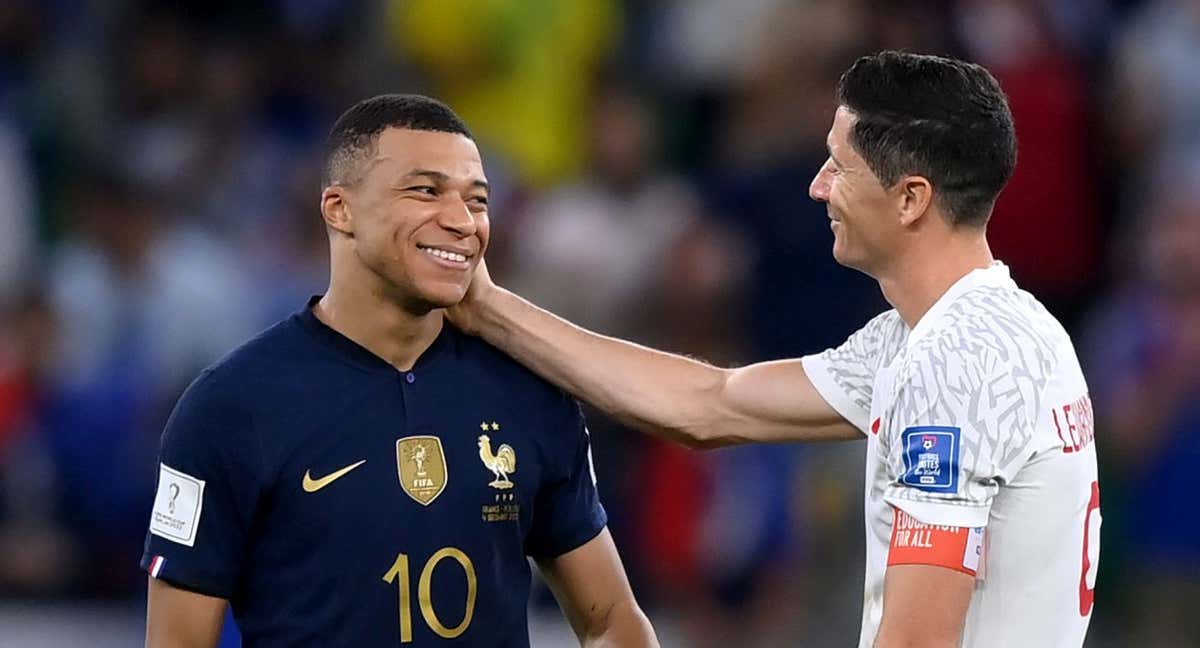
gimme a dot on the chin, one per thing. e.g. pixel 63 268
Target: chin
pixel 844 258
pixel 444 295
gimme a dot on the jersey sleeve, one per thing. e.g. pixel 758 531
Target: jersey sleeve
pixel 960 428
pixel 206 492
pixel 845 375
pixel 567 513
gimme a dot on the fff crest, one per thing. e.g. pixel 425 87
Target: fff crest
pixel 421 464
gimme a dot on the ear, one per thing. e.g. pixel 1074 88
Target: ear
pixel 915 197
pixel 336 211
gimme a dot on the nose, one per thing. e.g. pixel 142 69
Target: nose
pixel 458 218
pixel 818 190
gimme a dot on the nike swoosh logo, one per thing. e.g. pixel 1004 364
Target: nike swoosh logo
pixel 313 485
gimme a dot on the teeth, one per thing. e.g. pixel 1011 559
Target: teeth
pixel 443 254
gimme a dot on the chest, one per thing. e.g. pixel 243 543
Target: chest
pixel 884 415
pixel 418 468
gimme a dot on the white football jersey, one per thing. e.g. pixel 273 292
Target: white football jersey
pixel 979 416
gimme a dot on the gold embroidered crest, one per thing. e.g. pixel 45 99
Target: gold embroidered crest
pixel 422 467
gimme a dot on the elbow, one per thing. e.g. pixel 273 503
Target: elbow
pixel 702 438
pixel 916 643
pixel 707 424
pixel 624 624
pixel 914 639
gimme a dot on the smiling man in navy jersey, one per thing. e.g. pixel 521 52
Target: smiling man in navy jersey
pixel 363 474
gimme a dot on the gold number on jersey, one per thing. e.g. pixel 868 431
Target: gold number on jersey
pixel 399 573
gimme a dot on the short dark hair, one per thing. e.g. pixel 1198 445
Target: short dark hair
pixel 355 134
pixel 940 118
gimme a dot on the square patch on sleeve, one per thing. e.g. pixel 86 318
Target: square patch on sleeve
pixel 931 458
pixel 177 506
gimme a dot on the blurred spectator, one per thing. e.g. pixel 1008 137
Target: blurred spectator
pixel 142 306
pixel 770 141
pixel 617 230
pixel 773 143
pixel 1155 99
pixel 1046 225
pixel 36 556
pixel 1143 352
pixel 18 251
pixel 625 250
pixel 520 73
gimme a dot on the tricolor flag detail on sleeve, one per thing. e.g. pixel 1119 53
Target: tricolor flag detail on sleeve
pixel 156 565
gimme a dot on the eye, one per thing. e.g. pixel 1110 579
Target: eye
pixel 482 201
pixel 428 190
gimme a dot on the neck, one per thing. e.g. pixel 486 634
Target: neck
pixel 920 278
pixel 365 312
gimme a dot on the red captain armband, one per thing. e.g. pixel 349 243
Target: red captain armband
pixel 917 543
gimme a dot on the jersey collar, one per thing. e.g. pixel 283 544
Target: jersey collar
pixel 996 275
pixel 360 356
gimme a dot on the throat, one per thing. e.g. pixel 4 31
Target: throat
pixel 381 326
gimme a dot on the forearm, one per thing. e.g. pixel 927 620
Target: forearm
pixel 626 627
pixel 662 393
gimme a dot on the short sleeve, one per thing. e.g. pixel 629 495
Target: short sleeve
pixel 567 513
pixel 959 429
pixel 206 492
pixel 845 375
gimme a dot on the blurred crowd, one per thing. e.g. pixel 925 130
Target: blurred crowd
pixel 159 183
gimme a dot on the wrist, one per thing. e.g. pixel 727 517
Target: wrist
pixel 487 309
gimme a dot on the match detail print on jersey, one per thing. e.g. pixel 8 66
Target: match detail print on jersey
pixel 917 543
pixel 177 506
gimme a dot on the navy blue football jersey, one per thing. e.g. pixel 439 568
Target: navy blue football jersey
pixel 336 501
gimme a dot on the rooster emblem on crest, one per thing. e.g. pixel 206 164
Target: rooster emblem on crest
pixel 502 463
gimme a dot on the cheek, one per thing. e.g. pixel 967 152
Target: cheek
pixel 483 232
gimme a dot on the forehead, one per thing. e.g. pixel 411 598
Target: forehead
pixel 839 132
pixel 401 150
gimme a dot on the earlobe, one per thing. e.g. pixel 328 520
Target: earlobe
pixel 336 211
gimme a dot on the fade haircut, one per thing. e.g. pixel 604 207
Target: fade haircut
pixel 940 118
pixel 355 135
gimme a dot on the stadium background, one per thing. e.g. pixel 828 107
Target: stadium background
pixel 158 204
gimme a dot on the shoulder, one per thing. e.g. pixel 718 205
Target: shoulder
pixel 885 326
pixel 498 369
pixel 886 331
pixel 995 331
pixel 247 372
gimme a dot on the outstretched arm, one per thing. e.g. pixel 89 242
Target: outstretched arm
pixel 661 393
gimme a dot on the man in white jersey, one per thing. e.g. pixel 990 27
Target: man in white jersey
pixel 982 504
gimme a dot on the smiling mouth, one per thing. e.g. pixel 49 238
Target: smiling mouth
pixel 447 255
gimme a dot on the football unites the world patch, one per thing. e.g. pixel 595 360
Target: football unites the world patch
pixel 931 458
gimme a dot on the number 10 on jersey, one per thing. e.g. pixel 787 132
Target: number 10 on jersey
pixel 399 574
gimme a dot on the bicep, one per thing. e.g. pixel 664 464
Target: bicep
pixel 177 618
pixel 777 401
pixel 924 605
pixel 589 583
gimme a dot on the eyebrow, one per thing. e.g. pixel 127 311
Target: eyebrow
pixel 438 176
pixel 833 157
